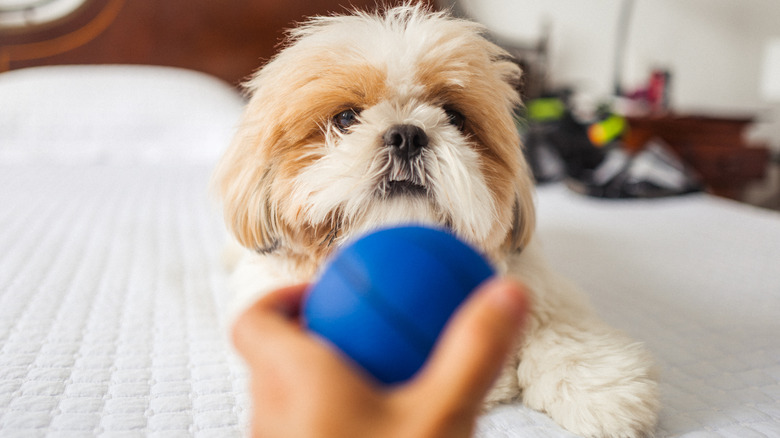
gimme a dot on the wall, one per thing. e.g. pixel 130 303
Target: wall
pixel 713 47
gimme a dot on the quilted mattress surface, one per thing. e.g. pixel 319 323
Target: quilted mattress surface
pixel 111 296
pixel 112 292
pixel 109 306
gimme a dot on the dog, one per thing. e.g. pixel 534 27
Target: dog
pixel 369 120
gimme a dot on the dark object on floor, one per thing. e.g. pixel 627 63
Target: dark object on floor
pixel 652 173
pixel 590 156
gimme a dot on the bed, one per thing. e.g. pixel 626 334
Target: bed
pixel 112 290
pixel 112 293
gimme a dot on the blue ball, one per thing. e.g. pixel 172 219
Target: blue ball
pixel 384 299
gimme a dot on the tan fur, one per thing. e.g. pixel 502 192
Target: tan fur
pixel 283 126
pixel 294 187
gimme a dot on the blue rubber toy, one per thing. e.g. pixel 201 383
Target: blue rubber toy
pixel 384 299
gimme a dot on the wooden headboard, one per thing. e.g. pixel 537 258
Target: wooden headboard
pixel 226 38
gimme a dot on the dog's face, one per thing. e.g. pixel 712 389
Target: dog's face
pixel 373 120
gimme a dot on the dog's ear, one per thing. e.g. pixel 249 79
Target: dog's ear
pixel 512 73
pixel 244 183
pixel 524 211
pixel 524 214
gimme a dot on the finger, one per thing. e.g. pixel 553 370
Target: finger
pixel 270 333
pixel 473 348
pixel 279 350
pixel 286 302
pixel 270 317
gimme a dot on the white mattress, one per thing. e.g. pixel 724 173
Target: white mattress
pixel 697 279
pixel 109 305
pixel 111 289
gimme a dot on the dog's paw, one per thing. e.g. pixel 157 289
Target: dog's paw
pixel 595 385
pixel 625 409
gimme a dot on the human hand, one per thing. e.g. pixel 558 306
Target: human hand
pixel 302 388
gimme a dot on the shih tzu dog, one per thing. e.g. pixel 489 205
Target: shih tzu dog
pixel 365 121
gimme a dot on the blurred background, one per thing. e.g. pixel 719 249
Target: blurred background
pixel 716 60
pixel 699 80
pixel 113 296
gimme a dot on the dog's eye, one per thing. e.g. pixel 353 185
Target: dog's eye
pixel 456 119
pixel 345 119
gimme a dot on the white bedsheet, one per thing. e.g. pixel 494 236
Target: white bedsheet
pixel 111 292
pixel 109 305
pixel 697 278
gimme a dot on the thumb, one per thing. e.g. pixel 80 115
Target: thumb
pixel 474 346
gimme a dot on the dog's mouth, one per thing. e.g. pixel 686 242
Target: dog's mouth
pixel 403 188
pixel 403 178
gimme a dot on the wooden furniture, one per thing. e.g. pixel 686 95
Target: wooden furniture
pixel 229 38
pixel 713 146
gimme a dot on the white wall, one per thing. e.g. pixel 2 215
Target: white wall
pixel 713 47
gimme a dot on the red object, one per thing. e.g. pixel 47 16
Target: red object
pixel 658 91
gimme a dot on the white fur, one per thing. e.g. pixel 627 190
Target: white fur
pixel 588 377
pixel 346 173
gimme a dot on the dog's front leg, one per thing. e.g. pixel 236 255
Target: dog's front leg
pixel 589 378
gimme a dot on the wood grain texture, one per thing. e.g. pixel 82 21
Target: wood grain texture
pixel 228 39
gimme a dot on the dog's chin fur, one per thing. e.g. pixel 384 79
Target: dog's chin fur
pixel 296 183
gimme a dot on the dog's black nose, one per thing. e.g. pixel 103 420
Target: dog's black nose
pixel 406 140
